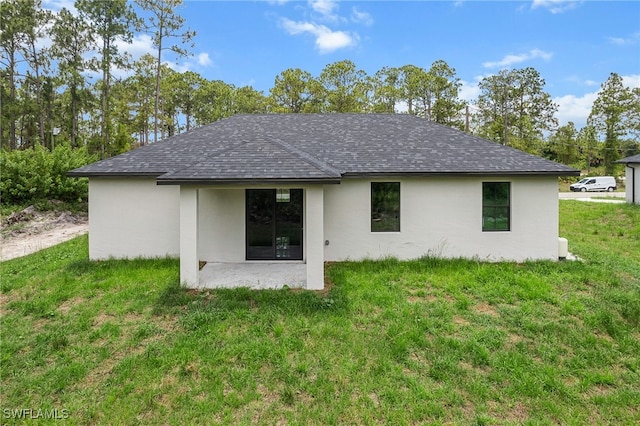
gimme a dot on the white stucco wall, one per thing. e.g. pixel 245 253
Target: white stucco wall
pixel 443 217
pixel 133 217
pixel 222 224
pixel 632 192
pixel 439 216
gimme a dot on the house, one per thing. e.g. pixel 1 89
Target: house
pixel 632 178
pixel 312 188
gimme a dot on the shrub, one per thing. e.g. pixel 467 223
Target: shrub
pixel 37 173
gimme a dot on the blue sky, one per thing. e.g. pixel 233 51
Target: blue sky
pixel 574 45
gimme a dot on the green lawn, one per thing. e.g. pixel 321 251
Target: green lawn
pixel 428 341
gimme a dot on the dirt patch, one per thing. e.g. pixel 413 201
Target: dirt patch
pixel 66 306
pixel 29 231
pixel 484 308
pixel 458 320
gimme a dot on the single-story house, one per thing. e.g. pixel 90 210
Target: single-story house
pixel 312 188
pixel 632 178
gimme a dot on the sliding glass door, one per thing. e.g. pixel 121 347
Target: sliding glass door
pixel 274 224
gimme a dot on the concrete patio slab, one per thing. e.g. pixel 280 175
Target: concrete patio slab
pixel 254 275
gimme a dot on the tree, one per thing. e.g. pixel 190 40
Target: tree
pixel 181 89
pixel 411 77
pixel 292 90
pixel 563 144
pixel 214 100
pixel 70 43
pixel 141 96
pixel 345 87
pixel 588 146
pixel 444 87
pixel 13 38
pixel 164 24
pixel 247 100
pixel 612 116
pixel 36 56
pixel 514 110
pixel 111 21
pixel 387 90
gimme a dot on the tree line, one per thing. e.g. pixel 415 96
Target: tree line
pixel 48 97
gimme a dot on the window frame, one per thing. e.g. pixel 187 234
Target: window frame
pixel 374 222
pixel 496 205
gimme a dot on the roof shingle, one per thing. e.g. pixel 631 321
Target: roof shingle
pixel 319 148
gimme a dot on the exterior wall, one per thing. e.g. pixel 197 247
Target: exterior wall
pixel 632 186
pixel 443 217
pixel 133 217
pixel 221 225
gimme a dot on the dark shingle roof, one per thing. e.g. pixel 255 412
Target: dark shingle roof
pixel 319 148
pixel 632 159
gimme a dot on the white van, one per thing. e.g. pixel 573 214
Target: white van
pixel 597 183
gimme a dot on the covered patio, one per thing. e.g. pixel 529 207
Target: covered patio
pixel 216 228
pixel 254 275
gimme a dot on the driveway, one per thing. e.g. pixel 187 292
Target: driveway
pixel 597 197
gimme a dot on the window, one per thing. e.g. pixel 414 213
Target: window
pixel 496 206
pixel 385 206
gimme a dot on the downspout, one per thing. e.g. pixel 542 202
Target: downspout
pixel 633 183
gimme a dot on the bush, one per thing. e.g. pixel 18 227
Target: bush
pixel 37 173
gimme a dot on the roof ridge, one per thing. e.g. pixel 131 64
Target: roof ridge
pixel 321 165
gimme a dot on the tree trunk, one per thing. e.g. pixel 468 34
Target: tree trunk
pixel 74 116
pixel 12 93
pixel 40 113
pixel 158 67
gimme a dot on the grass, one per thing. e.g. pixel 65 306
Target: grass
pixel 427 341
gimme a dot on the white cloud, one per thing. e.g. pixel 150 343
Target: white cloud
pixel 617 40
pixel 57 5
pixel 141 44
pixel 632 81
pixel 555 6
pixel 324 7
pixel 621 41
pixel 201 60
pixel 574 108
pixel 577 108
pixel 204 59
pixel 361 17
pixel 327 40
pixel 469 91
pixel 509 60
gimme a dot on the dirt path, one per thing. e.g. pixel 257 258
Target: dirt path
pixel 29 231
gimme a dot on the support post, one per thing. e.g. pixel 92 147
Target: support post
pixel 314 226
pixel 189 262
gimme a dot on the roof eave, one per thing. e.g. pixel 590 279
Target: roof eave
pixel 74 173
pixel 469 173
pixel 287 181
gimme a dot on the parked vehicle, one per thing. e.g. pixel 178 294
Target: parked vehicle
pixel 597 183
